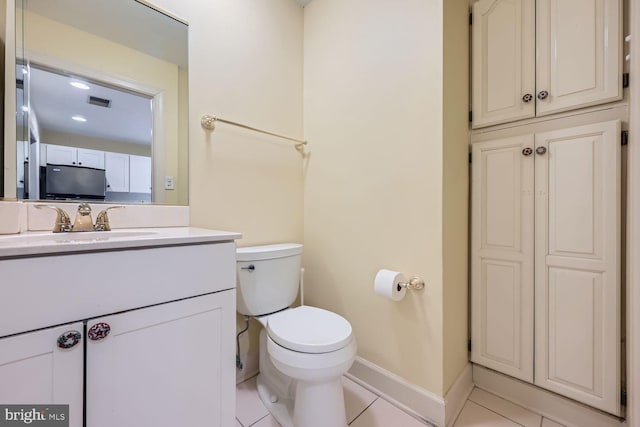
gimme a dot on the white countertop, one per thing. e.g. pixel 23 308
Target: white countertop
pixel 48 243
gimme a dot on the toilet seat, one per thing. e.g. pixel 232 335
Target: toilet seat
pixel 308 329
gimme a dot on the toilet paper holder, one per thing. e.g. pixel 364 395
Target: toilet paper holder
pixel 414 284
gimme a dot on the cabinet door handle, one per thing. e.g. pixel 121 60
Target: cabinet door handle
pixel 543 94
pixel 541 150
pixel 527 98
pixel 527 151
pixel 251 267
pixel 69 339
pixel 99 331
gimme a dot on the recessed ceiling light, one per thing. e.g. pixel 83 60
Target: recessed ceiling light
pixel 79 119
pixel 80 85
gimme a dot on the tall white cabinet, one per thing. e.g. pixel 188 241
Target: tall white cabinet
pixel 546 260
pixel 538 57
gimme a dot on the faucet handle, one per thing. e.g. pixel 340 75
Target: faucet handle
pixel 102 220
pixel 63 222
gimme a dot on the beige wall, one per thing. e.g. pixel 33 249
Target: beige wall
pixel 245 65
pixel 60 46
pixel 455 207
pixel 385 184
pixel 374 180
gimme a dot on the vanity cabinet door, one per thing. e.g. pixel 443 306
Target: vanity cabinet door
pixel 164 366
pixel 34 369
pixel 117 172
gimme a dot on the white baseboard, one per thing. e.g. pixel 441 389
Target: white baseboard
pixel 414 400
pixel 557 408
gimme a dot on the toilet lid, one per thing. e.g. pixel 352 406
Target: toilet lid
pixel 309 330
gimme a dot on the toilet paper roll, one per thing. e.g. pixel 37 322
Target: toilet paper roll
pixel 387 284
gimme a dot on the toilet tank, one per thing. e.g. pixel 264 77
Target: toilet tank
pixel 268 277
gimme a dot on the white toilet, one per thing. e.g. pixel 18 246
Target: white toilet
pixel 304 350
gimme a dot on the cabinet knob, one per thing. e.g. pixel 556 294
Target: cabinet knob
pixel 541 150
pixel 527 151
pixel 73 163
pixel 543 94
pixel 527 98
pixel 79 163
pixel 99 331
pixel 69 339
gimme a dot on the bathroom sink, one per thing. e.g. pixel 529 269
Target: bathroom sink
pixel 80 237
pixel 46 243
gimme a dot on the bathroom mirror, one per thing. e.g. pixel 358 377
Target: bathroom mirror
pixel 101 92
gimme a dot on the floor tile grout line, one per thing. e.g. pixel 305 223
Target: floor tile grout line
pixel 257 421
pixel 497 413
pixel 364 410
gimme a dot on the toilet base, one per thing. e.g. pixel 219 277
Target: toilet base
pixel 281 409
pixel 310 406
pixel 319 404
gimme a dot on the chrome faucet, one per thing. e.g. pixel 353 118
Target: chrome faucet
pixel 83 220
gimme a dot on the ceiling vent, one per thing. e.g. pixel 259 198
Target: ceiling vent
pixel 100 102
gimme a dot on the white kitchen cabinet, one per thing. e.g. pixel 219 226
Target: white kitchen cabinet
pixel 139 174
pixel 35 370
pixel 546 253
pixel 91 158
pixel 22 155
pixel 117 172
pixel 539 57
pixel 150 354
pixel 72 156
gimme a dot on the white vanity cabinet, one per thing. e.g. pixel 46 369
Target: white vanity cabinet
pixel 545 257
pixel 35 370
pixel 156 326
pixel 538 57
pixel 169 359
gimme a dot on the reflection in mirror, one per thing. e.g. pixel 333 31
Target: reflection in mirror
pixel 101 91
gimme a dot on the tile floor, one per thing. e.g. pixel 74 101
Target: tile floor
pixel 365 409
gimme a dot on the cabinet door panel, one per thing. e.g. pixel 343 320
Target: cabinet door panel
pixel 502 256
pixel 165 366
pixel 579 53
pixel 33 370
pixel 117 172
pixel 503 60
pixel 140 174
pixel 59 155
pixel 91 158
pixel 577 264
